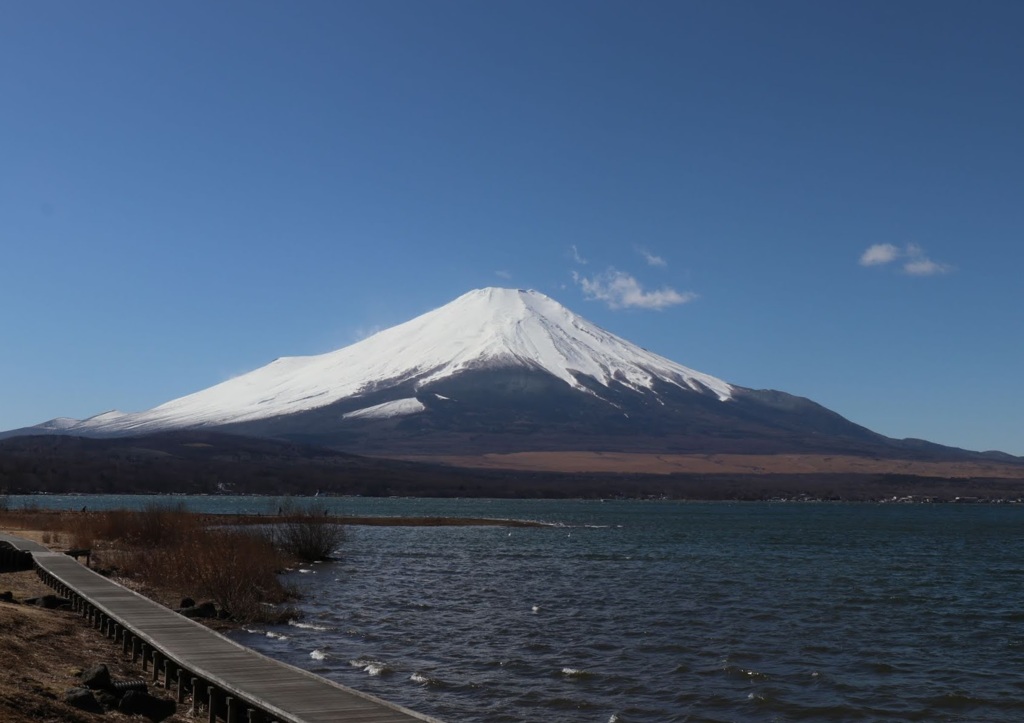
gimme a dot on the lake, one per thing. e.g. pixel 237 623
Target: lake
pixel 623 611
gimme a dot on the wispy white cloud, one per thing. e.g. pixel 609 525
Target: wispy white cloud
pixel 913 259
pixel 879 254
pixel 501 273
pixel 622 291
pixel 574 254
pixel 925 267
pixel 651 259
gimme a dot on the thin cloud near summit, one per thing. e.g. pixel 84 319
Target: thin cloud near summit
pixel 913 259
pixel 622 291
pixel 652 259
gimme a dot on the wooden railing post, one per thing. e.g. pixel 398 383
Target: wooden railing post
pixel 180 697
pixel 198 695
pixel 158 663
pixel 213 698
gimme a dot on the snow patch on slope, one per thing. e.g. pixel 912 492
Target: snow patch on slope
pixel 397 408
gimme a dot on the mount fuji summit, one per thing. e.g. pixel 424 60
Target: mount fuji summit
pixel 499 371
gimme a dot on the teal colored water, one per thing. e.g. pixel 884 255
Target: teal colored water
pixel 661 611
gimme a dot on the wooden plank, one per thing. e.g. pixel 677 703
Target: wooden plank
pixel 281 691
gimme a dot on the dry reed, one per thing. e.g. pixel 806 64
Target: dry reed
pixel 169 549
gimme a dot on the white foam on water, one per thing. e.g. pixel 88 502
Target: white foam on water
pixel 309 626
pixel 419 678
pixel 574 672
pixel 371 667
pixel 319 654
pixel 276 636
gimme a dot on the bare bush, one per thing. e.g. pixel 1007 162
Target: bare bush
pixel 171 552
pixel 156 525
pixel 308 533
pixel 27 517
pixel 236 569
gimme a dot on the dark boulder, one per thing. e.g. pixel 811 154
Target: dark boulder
pixel 107 700
pixel 205 610
pixel 97 677
pixel 50 602
pixel 7 596
pixel 136 702
pixel 187 602
pixel 83 699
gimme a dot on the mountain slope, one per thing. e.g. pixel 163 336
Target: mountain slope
pixel 483 329
pixel 503 370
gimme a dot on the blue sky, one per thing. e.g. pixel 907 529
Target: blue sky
pixel 822 198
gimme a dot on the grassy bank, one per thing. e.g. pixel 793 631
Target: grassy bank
pixel 44 652
pixel 170 554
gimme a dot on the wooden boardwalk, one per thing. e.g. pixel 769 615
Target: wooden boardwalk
pixel 226 680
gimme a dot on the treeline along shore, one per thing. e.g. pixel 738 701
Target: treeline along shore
pixel 206 463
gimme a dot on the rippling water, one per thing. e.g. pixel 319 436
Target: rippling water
pixel 673 612
pixel 633 611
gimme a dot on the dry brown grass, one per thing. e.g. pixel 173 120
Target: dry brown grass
pixel 236 569
pixel 44 650
pixel 171 553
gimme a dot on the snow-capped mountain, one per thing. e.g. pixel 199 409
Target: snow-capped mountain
pixel 494 370
pixel 484 329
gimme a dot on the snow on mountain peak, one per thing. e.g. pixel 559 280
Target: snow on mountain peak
pixel 59 424
pixel 491 327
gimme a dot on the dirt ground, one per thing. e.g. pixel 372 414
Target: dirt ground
pixel 43 651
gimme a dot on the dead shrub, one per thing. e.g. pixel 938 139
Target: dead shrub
pixel 27 518
pixel 236 569
pixel 308 534
pixel 155 525
pixel 172 552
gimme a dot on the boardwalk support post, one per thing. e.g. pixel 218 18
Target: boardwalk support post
pixel 158 662
pixel 180 697
pixel 197 696
pixel 213 702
